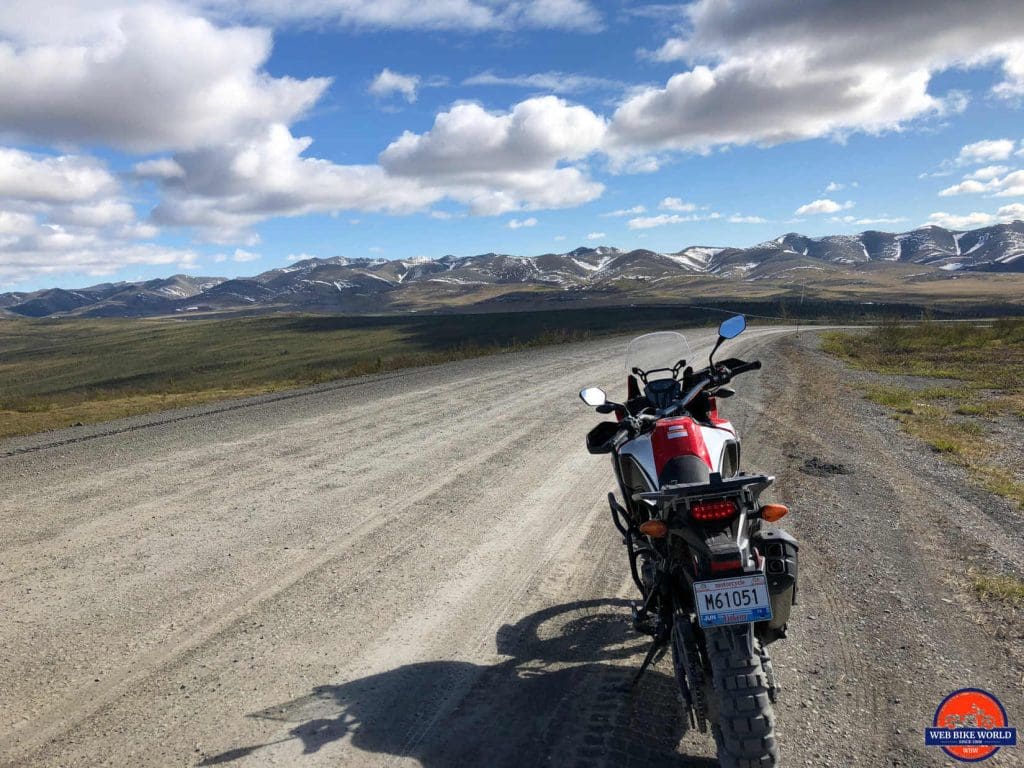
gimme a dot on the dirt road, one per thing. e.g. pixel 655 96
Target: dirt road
pixel 420 570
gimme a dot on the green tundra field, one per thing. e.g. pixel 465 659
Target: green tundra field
pixel 57 373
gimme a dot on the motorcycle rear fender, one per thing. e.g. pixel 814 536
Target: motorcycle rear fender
pixel 717 552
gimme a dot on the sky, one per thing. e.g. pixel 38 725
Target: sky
pixel 220 137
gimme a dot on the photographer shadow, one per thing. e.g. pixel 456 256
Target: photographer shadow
pixel 563 698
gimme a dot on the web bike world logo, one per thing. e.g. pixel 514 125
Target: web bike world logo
pixel 970 726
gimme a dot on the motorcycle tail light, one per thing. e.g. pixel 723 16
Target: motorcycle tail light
pixel 714 510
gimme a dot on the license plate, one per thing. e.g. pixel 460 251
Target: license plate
pixel 737 600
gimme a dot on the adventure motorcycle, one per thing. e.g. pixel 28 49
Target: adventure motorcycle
pixel 717 582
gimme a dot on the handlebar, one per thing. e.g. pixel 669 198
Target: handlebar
pixel 754 365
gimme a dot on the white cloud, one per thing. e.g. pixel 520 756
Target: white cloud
pixel 158 168
pixel 985 151
pixel 242 256
pixel 737 219
pixel 64 178
pixel 676 204
pixel 824 205
pixel 648 222
pixel 961 221
pixel 550 82
pixel 12 223
pixel 635 210
pixel 559 238
pixel 596 235
pixel 976 219
pixel 468 15
pixel 226 190
pixel 836 186
pixel 53 251
pixel 1012 212
pixel 1010 185
pixel 882 220
pixel 988 173
pixel 499 162
pixel 99 214
pixel 388 83
pixel 300 256
pixel 769 71
pixel 521 223
pixel 141 78
pixel 66 213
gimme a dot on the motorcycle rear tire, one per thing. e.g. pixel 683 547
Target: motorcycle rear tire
pixel 743 722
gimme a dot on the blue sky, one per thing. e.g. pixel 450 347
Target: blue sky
pixel 215 137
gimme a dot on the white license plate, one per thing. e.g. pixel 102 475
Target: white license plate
pixel 737 600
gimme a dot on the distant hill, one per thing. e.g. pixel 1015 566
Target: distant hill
pixel 340 284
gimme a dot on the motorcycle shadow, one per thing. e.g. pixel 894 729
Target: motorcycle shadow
pixel 563 698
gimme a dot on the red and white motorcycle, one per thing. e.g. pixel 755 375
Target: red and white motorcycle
pixel 717 581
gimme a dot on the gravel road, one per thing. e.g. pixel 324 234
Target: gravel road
pixel 419 569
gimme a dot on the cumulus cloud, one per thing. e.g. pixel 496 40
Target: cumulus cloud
pixel 53 250
pixel 521 223
pixel 388 83
pixel 226 190
pixel 66 213
pixel 824 205
pixel 596 235
pixel 144 78
pixel 498 162
pixel 1008 185
pixel 985 151
pixel 769 71
pixel 988 173
pixel 738 219
pixel 42 178
pixel 13 223
pixel 1012 212
pixel 158 168
pixel 976 219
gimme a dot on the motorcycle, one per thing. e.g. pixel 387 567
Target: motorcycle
pixel 717 580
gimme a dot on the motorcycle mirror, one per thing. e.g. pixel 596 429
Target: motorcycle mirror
pixel 594 396
pixel 729 329
pixel 732 327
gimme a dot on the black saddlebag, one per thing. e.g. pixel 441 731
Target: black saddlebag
pixel 779 550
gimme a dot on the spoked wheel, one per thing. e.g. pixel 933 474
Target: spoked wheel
pixel 741 713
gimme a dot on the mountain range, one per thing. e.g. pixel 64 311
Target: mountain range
pixel 361 285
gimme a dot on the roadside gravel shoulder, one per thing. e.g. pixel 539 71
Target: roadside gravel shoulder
pixel 888 623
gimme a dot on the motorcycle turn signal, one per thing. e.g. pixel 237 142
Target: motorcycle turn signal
pixel 656 529
pixel 773 512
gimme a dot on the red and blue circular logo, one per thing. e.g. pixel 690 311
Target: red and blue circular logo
pixel 970 726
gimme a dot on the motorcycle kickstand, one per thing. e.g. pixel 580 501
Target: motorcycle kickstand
pixel 657 650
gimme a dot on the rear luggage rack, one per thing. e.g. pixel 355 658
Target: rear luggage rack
pixel 716 486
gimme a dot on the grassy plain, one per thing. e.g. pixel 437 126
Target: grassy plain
pixel 62 372
pixel 982 368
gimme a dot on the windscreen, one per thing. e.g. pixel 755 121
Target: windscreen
pixel 656 350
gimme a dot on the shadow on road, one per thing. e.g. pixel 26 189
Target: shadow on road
pixel 559 700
